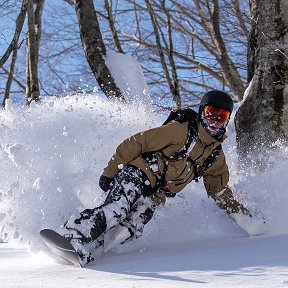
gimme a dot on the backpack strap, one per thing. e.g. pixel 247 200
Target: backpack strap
pixel 210 159
pixel 184 115
pixel 200 170
pixel 181 116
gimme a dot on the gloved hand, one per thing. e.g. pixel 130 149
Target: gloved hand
pixel 225 200
pixel 104 182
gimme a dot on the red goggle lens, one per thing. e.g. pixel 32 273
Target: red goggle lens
pixel 216 114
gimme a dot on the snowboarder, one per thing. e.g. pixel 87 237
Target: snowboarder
pixel 152 165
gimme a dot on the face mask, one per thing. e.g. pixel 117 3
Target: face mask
pixel 215 120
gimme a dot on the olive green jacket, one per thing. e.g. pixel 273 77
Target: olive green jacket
pixel 171 138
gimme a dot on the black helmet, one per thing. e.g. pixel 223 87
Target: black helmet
pixel 218 99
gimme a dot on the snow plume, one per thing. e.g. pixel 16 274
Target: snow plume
pixel 266 191
pixel 129 77
pixel 53 154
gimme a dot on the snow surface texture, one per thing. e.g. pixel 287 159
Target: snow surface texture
pixel 51 158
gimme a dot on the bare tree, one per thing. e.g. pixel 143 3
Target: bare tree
pixel 19 26
pixel 229 71
pixel 10 77
pixel 111 22
pixel 189 33
pixel 173 83
pixel 94 48
pixel 32 45
pixel 208 45
pixel 262 119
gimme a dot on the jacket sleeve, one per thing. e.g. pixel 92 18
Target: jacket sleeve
pixel 215 180
pixel 216 177
pixel 149 140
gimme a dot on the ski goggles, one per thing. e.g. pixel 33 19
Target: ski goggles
pixel 216 114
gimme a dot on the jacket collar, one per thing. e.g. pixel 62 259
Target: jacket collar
pixel 207 139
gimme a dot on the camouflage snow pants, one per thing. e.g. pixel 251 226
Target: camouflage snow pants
pixel 125 211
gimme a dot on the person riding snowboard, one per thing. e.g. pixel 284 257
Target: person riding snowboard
pixel 152 165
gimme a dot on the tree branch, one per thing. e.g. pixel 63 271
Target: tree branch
pixel 18 29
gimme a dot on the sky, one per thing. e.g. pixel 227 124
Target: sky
pixel 52 156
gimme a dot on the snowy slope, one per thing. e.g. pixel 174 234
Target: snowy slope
pixel 51 159
pixel 230 262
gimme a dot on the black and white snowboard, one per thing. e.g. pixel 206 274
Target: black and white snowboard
pixel 59 246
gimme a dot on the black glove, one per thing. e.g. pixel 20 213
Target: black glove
pixel 104 182
pixel 170 194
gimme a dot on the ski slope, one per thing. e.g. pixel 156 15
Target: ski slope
pixel 51 158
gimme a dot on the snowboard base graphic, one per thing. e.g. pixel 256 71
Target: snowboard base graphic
pixel 59 246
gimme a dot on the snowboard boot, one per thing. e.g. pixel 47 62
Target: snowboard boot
pixel 84 255
pixel 76 240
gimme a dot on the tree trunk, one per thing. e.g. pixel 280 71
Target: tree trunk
pixel 213 27
pixel 262 118
pixel 172 83
pixel 94 48
pixel 10 77
pixel 229 70
pixel 114 33
pixel 33 40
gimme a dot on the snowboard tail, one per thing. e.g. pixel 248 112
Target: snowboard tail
pixel 59 246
